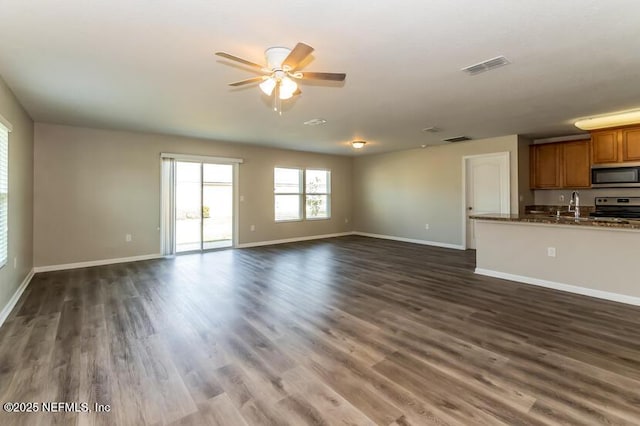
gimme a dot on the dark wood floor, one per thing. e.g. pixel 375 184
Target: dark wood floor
pixel 350 330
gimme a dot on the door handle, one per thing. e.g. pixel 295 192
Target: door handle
pixel 470 208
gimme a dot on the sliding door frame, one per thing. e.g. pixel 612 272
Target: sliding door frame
pixel 235 162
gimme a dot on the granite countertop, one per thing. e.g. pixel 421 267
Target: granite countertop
pixel 546 218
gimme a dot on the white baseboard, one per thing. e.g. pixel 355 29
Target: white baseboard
pixel 615 297
pixel 293 240
pixel 88 264
pixel 411 240
pixel 4 314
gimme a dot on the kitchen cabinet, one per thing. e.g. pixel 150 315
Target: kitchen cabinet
pixel 604 146
pixel 545 166
pixel 560 165
pixel 616 145
pixel 576 164
pixel 631 144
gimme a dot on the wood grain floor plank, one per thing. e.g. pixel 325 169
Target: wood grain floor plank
pixel 333 407
pixel 218 411
pixel 351 330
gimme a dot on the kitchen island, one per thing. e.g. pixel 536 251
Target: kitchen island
pixel 597 258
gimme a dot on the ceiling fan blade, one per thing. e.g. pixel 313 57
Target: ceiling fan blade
pixel 333 76
pixel 247 81
pixel 297 55
pixel 242 61
pixel 297 92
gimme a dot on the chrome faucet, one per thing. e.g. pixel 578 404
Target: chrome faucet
pixel 575 203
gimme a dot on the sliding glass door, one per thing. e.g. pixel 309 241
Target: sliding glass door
pixel 217 205
pixel 203 206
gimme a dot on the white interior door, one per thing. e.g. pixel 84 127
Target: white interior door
pixel 487 188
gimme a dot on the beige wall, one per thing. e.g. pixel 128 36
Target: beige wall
pixel 396 194
pixel 594 258
pixel 94 186
pixel 20 195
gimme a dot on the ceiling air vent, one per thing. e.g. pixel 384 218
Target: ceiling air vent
pixel 457 139
pixel 315 122
pixel 487 65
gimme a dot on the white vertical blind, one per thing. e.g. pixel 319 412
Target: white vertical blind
pixel 4 194
pixel 168 207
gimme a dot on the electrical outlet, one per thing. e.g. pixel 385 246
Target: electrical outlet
pixel 551 251
pixel 15 262
pixel 128 238
pixel 562 198
pixel 346 220
pixel 426 226
pixel 252 228
pixel 241 198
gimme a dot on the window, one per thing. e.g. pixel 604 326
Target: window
pixel 288 193
pixel 293 198
pixel 317 191
pixel 4 194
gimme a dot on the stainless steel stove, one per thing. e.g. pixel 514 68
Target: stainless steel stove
pixel 620 207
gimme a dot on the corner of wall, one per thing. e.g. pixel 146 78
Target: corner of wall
pixel 15 275
pixel 525 194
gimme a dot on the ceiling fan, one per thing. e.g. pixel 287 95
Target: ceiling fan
pixel 281 72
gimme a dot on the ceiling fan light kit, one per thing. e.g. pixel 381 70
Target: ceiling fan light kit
pixel 280 73
pixel 287 87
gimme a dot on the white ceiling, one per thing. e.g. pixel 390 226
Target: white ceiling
pixel 149 65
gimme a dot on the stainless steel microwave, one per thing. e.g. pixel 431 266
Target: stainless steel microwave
pixel 616 176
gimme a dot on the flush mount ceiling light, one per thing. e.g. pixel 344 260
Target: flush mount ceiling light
pixel 280 74
pixel 358 144
pixel 623 118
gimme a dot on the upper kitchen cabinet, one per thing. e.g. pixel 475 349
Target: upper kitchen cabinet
pixel 576 164
pixel 604 146
pixel 631 144
pixel 616 145
pixel 560 165
pixel 545 166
